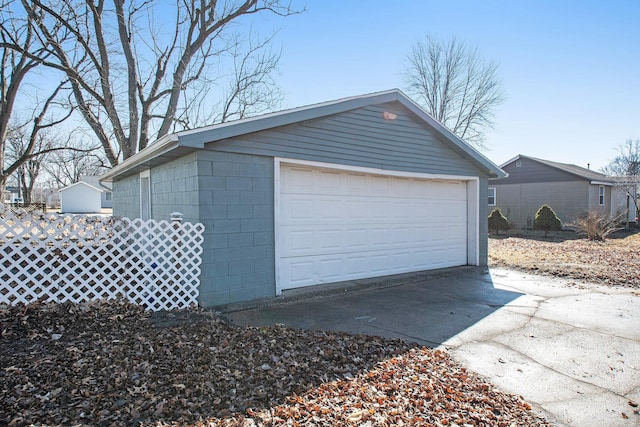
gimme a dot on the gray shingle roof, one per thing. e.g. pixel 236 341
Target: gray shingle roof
pixel 190 140
pixel 566 167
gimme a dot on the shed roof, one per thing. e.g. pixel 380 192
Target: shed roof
pixel 178 144
pixel 94 180
pixel 581 172
pixel 68 187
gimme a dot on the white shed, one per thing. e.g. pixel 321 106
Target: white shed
pixel 80 198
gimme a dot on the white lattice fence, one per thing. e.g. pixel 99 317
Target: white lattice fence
pixel 79 258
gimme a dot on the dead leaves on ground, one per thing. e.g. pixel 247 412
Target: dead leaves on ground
pixel 614 262
pixel 111 364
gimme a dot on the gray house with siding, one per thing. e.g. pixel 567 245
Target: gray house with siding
pixel 360 187
pixel 569 190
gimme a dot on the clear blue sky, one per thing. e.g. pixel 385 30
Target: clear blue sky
pixel 570 69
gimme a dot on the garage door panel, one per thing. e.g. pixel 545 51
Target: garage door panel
pixel 300 241
pixel 356 208
pixel 299 273
pixel 381 184
pixel 329 239
pixel 355 266
pixel 357 183
pixel 402 236
pixel 355 239
pixel 337 225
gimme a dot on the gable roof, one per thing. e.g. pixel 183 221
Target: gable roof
pixel 79 183
pixel 180 143
pixel 578 171
pixel 94 180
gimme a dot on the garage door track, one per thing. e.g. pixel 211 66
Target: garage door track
pixel 572 350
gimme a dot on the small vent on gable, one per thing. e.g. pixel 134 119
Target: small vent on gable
pixel 518 163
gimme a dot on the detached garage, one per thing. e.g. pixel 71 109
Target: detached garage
pixel 80 198
pixel 355 188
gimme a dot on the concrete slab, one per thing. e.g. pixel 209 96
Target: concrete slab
pixel 571 349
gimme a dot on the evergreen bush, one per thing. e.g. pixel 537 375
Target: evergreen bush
pixel 547 220
pixel 497 221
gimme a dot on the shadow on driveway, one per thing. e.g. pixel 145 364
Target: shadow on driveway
pixel 427 307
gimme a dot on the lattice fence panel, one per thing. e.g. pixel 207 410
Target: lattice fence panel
pixel 78 258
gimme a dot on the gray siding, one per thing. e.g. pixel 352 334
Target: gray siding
pixel 532 171
pixel 361 137
pixel 236 208
pixel 126 197
pixel 519 201
pixel 594 199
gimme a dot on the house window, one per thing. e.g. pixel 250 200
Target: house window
pixel 107 196
pixel 601 195
pixel 145 195
pixel 492 196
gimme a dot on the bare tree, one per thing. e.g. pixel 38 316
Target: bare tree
pixel 25 144
pixel 16 65
pixel 29 165
pixel 130 64
pixel 627 162
pixel 625 168
pixel 455 86
pixel 67 166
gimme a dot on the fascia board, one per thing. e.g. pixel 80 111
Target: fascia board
pixel 198 137
pixel 78 183
pixel 161 146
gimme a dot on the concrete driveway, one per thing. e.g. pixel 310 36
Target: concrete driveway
pixel 571 350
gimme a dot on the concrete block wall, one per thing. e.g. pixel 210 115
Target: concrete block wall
pixel 126 202
pixel 174 188
pixel 237 209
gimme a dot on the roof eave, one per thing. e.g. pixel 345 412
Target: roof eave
pixel 197 137
pixel 78 183
pixel 161 146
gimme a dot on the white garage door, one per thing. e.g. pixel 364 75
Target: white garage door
pixel 337 225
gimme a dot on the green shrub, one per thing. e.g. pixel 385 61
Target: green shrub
pixel 497 221
pixel 596 225
pixel 547 220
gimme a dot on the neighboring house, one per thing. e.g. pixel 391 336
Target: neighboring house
pixel 359 187
pixel 80 198
pixel 106 197
pixel 10 194
pixel 569 190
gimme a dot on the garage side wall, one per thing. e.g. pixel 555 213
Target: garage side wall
pixel 174 188
pixel 126 197
pixel 236 208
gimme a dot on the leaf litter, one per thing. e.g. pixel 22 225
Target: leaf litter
pixel 113 364
pixel 613 262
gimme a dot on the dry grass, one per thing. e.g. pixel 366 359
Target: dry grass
pixel 614 262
